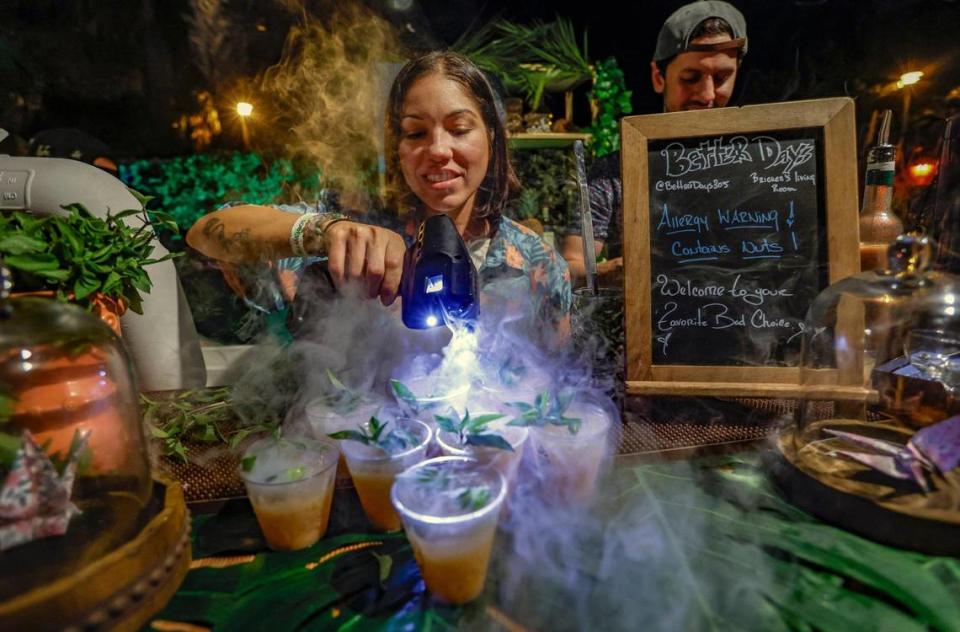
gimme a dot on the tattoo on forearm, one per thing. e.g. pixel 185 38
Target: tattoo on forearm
pixel 216 231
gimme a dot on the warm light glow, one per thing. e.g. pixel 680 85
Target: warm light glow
pixel 244 108
pixel 909 78
pixel 921 173
pixel 431 321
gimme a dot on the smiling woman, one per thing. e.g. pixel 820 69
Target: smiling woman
pixel 446 154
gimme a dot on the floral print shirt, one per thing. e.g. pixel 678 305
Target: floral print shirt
pixel 520 269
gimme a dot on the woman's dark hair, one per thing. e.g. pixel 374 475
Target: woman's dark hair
pixel 500 181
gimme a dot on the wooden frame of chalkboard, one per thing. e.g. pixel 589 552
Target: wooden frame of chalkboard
pixel 717 188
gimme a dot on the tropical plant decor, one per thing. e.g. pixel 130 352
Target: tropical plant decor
pixel 610 100
pixel 530 59
pixel 188 187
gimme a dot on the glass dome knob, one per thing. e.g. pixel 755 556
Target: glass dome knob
pixel 910 254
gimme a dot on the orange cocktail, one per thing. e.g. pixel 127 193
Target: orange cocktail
pixel 290 485
pixel 373 468
pixel 450 506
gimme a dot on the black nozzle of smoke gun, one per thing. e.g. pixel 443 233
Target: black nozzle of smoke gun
pixel 439 278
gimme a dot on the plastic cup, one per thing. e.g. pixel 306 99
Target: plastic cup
pixel 568 463
pixel 433 397
pixel 290 484
pixel 451 539
pixel 373 470
pixel 504 461
pixel 323 420
pixel 494 395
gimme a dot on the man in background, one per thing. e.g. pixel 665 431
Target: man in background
pixel 74 144
pixel 694 67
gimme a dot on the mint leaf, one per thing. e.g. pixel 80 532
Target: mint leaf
pixel 489 441
pixel 474 498
pixel 337 384
pixel 350 435
pixel 479 422
pixel 248 463
pixel 404 394
pixel 447 424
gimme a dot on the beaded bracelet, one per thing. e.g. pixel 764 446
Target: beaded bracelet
pixel 296 234
pixel 299 230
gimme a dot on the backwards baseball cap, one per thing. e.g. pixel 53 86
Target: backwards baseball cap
pixel 675 34
pixel 72 143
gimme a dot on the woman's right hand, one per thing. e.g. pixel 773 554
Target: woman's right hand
pixel 370 256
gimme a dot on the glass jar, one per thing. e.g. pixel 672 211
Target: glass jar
pixel 880 371
pixel 65 379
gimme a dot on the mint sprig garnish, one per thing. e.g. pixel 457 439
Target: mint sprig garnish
pixel 438 478
pixel 373 433
pixel 474 498
pixel 472 430
pixel 339 397
pixel 548 408
pixel 406 398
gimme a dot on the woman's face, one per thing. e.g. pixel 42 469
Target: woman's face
pixel 444 145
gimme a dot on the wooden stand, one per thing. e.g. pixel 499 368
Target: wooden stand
pixel 121 590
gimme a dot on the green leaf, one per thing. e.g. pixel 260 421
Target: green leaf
pixel 474 498
pixel 572 423
pixel 84 287
pixel 542 403
pixel 247 463
pixel 489 441
pixel 404 394
pixel 480 421
pixel 384 564
pixel 158 433
pixel 337 384
pixel 350 435
pixel 376 428
pixel 447 424
pixel 21 244
pixel 33 263
pixel 9 444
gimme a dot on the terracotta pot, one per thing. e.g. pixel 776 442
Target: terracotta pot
pixel 64 391
pixel 67 394
pixel 107 309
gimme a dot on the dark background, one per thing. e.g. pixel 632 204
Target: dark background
pixel 125 71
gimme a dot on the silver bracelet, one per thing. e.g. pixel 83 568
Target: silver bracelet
pixel 296 234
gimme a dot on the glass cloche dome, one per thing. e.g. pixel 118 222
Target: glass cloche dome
pixel 875 443
pixel 73 456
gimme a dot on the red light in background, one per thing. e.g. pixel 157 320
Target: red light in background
pixel 922 172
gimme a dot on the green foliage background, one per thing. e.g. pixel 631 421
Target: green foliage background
pixel 188 187
pixel 610 94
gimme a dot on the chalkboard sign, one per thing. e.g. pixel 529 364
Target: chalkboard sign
pixel 734 221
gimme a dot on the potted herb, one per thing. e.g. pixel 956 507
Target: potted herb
pixel 95 262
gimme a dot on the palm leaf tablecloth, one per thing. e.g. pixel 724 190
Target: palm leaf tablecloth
pixel 670 546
